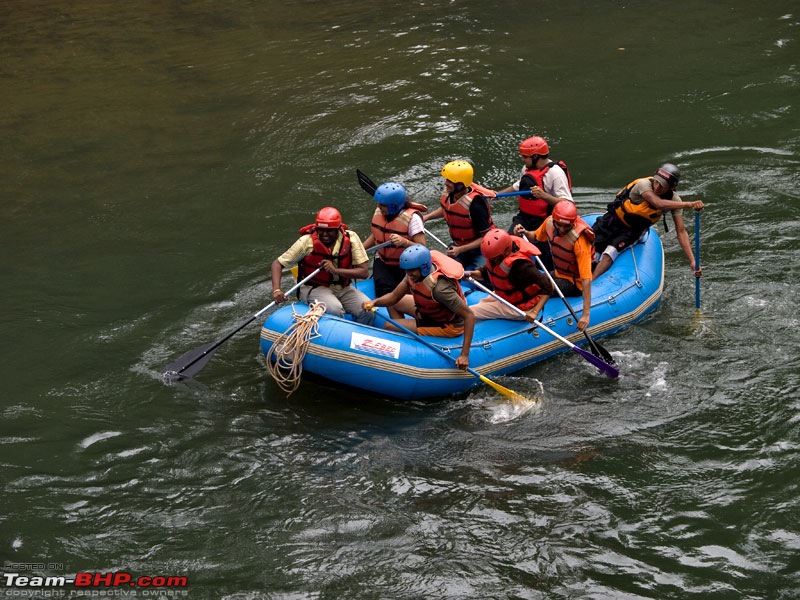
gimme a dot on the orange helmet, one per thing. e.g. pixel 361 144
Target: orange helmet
pixel 565 212
pixel 496 242
pixel 534 145
pixel 328 218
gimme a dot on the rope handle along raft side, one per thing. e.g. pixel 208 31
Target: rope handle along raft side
pixel 285 358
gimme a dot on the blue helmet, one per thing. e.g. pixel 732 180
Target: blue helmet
pixel 393 195
pixel 416 257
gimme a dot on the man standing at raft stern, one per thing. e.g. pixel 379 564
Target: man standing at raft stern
pixel 327 244
pixel 431 294
pixel 636 207
pixel 397 220
pixel 466 212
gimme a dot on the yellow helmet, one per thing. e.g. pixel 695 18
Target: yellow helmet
pixel 458 171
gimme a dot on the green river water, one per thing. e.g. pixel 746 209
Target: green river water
pixel 157 156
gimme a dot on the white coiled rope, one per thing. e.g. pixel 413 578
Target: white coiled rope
pixel 285 358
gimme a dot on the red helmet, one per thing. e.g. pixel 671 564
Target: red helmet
pixel 565 212
pixel 328 218
pixel 496 242
pixel 534 145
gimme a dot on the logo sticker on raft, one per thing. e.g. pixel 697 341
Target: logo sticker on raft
pixel 373 345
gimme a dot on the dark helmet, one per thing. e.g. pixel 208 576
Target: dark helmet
pixel 670 174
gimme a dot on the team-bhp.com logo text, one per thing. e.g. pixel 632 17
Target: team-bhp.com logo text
pixel 91 584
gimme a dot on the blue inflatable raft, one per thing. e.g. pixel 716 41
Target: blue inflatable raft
pixel 394 364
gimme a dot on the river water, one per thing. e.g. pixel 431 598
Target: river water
pixel 157 156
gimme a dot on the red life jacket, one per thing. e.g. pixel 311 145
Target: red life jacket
pixel 429 311
pixel 320 252
pixel 458 220
pixel 539 207
pixel 562 247
pixel 382 229
pixel 498 275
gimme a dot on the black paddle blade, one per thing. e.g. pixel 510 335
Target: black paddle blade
pixel 366 183
pixel 600 352
pixel 189 364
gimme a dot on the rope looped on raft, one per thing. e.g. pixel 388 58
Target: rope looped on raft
pixel 285 357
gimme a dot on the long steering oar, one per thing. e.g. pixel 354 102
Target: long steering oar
pixel 596 348
pixel 514 396
pixel 697 259
pixel 606 368
pixel 191 363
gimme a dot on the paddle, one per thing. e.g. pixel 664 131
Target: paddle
pixel 515 397
pixel 519 193
pixel 606 368
pixel 191 363
pixel 369 186
pixel 697 259
pixel 366 183
pixel 596 348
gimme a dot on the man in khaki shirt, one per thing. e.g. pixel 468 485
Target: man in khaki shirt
pixel 338 252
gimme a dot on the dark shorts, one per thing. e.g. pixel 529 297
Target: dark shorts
pixel 529 222
pixel 471 259
pixel 386 277
pixel 532 223
pixel 610 231
pixel 567 287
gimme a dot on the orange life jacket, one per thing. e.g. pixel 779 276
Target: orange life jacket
pixel 320 252
pixel 484 191
pixel 498 275
pixel 630 211
pixel 562 247
pixel 458 220
pixel 383 228
pixel 429 311
pixel 539 207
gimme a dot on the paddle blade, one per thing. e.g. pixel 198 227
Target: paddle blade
pixel 189 364
pixel 606 368
pixel 599 351
pixel 514 396
pixel 366 183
